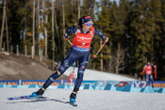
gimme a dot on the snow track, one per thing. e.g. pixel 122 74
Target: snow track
pixel 87 100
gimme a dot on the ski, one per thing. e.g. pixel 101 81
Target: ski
pixel 25 97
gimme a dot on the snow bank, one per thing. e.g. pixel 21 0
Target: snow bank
pixel 98 75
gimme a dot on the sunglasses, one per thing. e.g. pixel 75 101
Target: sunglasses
pixel 88 24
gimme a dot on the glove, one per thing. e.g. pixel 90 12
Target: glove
pixel 106 40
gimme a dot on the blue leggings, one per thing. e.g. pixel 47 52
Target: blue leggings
pixel 149 79
pixel 74 55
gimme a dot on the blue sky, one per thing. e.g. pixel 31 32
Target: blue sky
pixel 115 0
pixel 111 0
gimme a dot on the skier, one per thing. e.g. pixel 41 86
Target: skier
pixel 80 51
pixel 148 70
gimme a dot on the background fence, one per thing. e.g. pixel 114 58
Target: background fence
pixel 125 86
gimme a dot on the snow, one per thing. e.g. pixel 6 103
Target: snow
pixel 98 75
pixel 56 99
pixel 87 100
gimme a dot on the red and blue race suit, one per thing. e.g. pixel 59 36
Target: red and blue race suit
pixel 148 70
pixel 83 40
pixel 79 52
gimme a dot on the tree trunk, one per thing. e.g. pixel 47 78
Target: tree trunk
pixel 57 35
pixel 7 36
pixel 53 40
pixel 33 45
pixel 79 9
pixel 46 37
pixel 63 19
pixel 38 24
pixel 24 42
pixel 3 24
pixel 45 23
pixel 119 58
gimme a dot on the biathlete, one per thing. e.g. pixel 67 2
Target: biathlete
pixel 80 51
pixel 148 70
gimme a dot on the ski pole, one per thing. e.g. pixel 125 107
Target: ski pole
pixel 101 47
pixel 69 42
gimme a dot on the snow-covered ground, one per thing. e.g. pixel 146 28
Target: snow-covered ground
pixel 56 99
pixel 87 100
pixel 98 75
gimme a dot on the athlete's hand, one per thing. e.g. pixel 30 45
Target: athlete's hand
pixel 106 40
pixel 66 39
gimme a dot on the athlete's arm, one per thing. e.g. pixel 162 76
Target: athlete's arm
pixel 70 31
pixel 105 40
pixel 102 36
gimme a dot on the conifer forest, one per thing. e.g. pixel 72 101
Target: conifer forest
pixel 136 31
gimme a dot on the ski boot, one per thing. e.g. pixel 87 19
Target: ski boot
pixel 72 99
pixel 38 94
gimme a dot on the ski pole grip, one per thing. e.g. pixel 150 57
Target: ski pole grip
pixel 106 40
pixel 70 42
pixel 100 49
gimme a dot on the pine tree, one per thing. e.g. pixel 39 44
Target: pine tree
pixel 159 38
pixel 102 23
pixel 141 28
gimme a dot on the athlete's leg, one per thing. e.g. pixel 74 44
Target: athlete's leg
pixel 80 75
pixel 62 68
pixel 82 66
pixel 151 80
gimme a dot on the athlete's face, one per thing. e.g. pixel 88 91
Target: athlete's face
pixel 88 25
